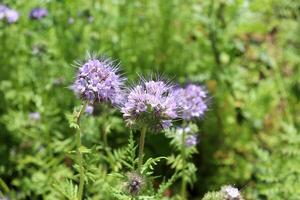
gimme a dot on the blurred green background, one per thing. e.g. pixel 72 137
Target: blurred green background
pixel 245 52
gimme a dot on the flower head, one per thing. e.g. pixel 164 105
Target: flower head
pixel 192 101
pixel 150 104
pixel 38 13
pixel 231 193
pixel 97 80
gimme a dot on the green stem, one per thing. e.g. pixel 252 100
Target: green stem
pixel 141 148
pixel 183 183
pixel 79 154
pixel 104 126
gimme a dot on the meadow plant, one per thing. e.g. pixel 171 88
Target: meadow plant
pixel 192 101
pixel 96 80
pixel 151 106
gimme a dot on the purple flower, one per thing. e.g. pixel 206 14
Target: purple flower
pixel 150 104
pixel 191 140
pixel 192 101
pixel 97 80
pixel 38 13
pixel 34 116
pixel 89 109
pixel 10 15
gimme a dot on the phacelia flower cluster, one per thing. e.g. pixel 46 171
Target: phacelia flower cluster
pixel 8 14
pixel 98 80
pixel 151 104
pixel 38 13
pixel 192 101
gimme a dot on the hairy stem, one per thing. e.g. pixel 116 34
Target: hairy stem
pixel 183 183
pixel 141 148
pixel 103 129
pixel 79 154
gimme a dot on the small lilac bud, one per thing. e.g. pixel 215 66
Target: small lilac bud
pixel 89 110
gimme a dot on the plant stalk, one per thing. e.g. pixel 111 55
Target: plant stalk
pixel 141 148
pixel 79 154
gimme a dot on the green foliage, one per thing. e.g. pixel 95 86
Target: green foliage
pixel 245 52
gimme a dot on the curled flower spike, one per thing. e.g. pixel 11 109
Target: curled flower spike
pixel 151 104
pixel 38 13
pixel 192 100
pixel 98 80
pixel 134 183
